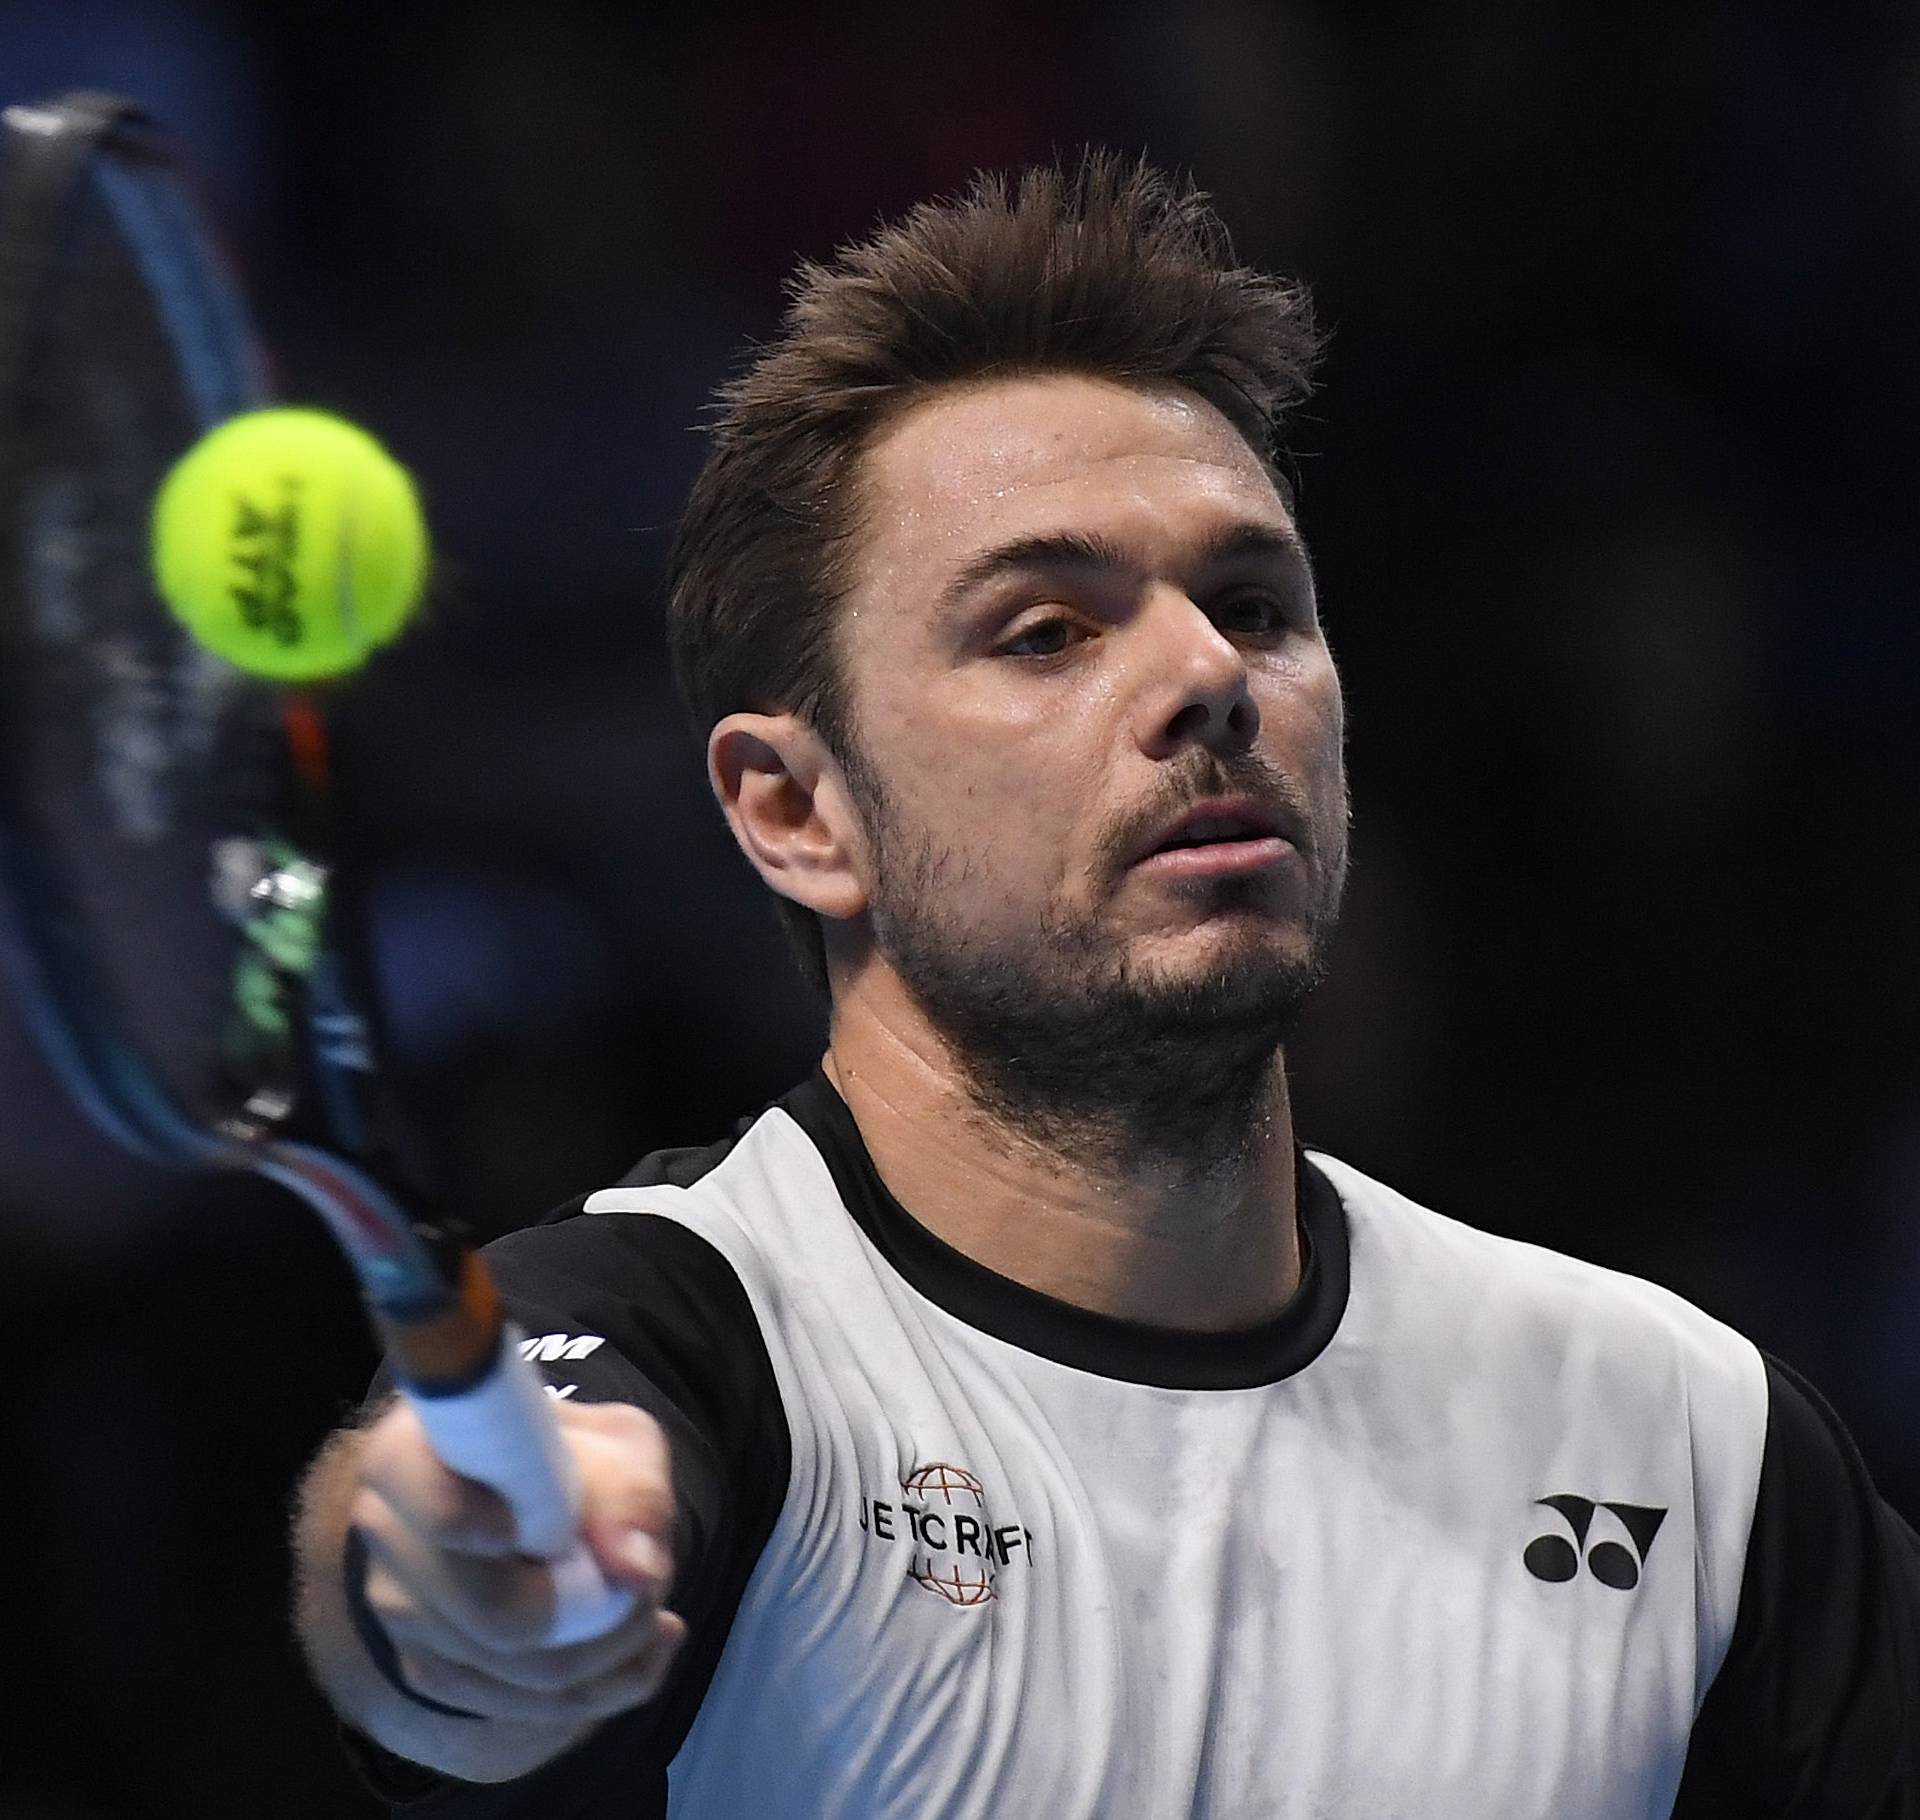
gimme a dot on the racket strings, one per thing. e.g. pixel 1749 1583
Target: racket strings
pixel 146 753
pixel 164 861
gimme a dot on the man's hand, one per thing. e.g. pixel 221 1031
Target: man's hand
pixel 466 1612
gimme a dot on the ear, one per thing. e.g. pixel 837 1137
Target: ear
pixel 787 803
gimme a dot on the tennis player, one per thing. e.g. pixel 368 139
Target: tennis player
pixel 1013 1420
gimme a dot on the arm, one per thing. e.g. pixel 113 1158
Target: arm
pixel 465 1617
pixel 1815 1713
pixel 633 1317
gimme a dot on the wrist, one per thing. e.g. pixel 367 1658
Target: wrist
pixel 356 1557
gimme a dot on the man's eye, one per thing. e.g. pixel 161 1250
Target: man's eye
pixel 1043 638
pixel 1251 612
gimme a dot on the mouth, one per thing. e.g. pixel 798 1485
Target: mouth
pixel 1221 836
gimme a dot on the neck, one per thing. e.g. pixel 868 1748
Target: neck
pixel 1200 1236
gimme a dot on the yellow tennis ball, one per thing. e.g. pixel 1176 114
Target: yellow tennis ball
pixel 291 543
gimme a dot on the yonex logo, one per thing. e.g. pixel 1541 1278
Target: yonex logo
pixel 1613 1563
pixel 546 1348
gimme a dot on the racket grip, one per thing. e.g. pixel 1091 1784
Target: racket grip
pixel 500 1430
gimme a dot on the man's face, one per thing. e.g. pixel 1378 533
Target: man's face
pixel 1081 612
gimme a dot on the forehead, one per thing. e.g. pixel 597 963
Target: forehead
pixel 1153 468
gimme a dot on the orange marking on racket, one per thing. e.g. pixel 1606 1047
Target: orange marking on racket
pixel 307 739
pixel 457 1344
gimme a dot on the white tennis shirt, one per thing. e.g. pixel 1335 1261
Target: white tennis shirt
pixel 1462 1533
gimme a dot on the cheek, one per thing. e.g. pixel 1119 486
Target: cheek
pixel 1011 801
pixel 1328 779
pixel 1333 724
pixel 1009 760
pixel 994 802
pixel 1303 711
pixel 1303 727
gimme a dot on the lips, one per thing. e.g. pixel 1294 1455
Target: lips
pixel 1220 821
pixel 1205 830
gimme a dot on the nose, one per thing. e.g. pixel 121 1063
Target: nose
pixel 1198 689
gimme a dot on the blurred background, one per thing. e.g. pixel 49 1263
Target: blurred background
pixel 1612 484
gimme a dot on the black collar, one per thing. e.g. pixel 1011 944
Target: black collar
pixel 1097 1343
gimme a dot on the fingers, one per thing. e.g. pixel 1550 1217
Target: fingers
pixel 415 1625
pixel 628 1682
pixel 500 1603
pixel 399 1466
pixel 626 1484
pixel 470 1615
pixel 627 1507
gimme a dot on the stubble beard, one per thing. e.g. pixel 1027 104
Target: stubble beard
pixel 1064 1042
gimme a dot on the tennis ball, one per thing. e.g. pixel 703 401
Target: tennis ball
pixel 291 543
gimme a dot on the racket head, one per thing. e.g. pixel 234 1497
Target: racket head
pixel 129 756
pixel 162 817
pixel 148 791
pixel 168 915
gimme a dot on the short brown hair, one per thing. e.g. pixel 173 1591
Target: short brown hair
pixel 1111 269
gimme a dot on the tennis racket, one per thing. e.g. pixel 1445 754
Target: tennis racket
pixel 171 919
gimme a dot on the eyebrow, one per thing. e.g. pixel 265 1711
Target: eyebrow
pixel 1077 551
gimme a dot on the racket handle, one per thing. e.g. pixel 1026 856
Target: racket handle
pixel 458 1358
pixel 501 1430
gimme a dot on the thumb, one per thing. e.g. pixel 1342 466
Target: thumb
pixel 627 1507
pixel 633 1555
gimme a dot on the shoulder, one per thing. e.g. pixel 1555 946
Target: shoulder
pixel 1505 1292
pixel 1602 1383
pixel 679 1268
pixel 767 1201
pixel 1822 1681
pixel 648 1277
pixel 660 1214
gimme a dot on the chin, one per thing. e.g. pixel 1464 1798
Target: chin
pixel 1228 935
pixel 1232 980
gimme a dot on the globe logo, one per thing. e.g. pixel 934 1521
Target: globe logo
pixel 956 1575
pixel 943 1481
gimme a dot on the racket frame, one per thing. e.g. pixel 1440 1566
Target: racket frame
pixel 456 1356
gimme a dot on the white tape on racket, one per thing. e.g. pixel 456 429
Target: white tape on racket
pixel 584 1605
pixel 502 1432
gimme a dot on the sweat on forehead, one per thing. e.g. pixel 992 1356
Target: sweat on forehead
pixel 971 468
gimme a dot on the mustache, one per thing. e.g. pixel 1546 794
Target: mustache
pixel 1192 779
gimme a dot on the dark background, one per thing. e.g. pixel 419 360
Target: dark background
pixel 1612 485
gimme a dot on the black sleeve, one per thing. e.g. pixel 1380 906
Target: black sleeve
pixel 1815 1713
pixel 677 1336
